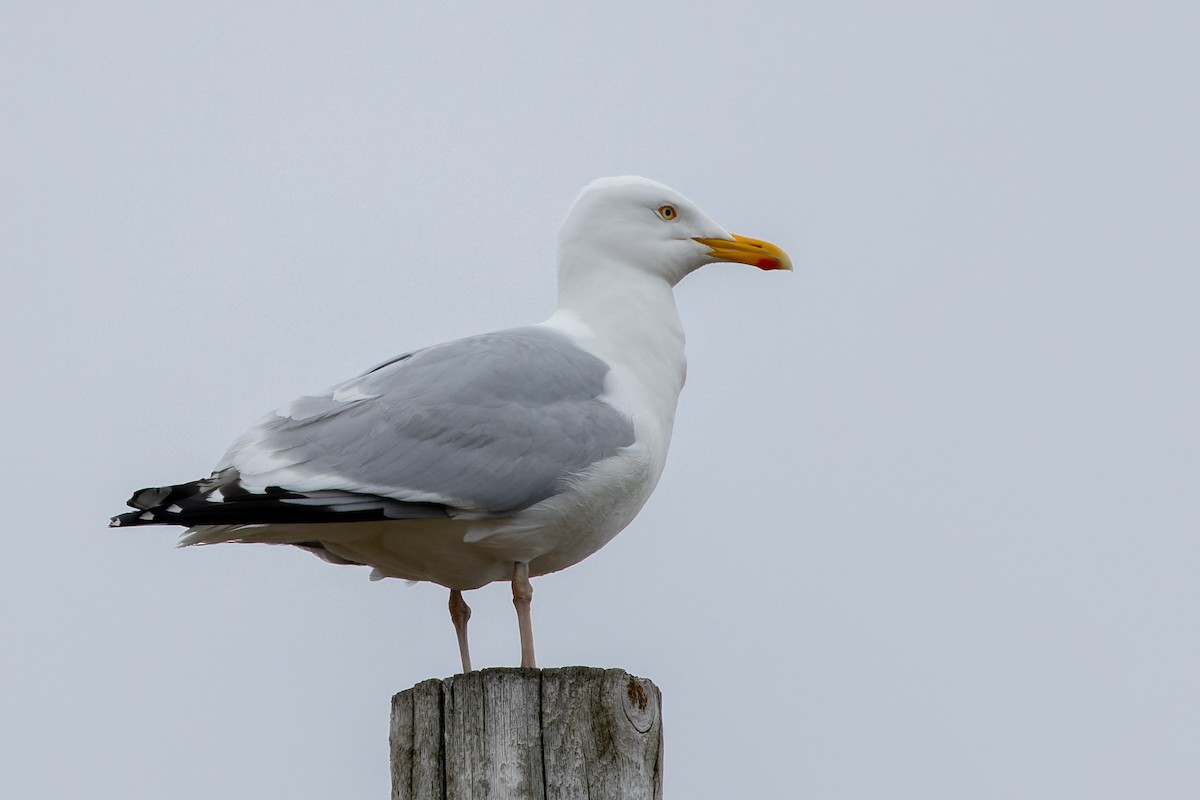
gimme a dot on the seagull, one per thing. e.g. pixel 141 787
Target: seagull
pixel 501 456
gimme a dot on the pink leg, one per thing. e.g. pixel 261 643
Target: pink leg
pixel 522 596
pixel 460 612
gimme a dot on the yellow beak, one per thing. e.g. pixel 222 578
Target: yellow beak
pixel 744 250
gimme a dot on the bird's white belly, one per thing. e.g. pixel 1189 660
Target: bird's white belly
pixel 570 526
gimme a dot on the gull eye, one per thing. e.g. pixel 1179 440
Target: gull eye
pixel 668 213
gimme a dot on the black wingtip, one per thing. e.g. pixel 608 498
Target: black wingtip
pixel 199 503
pixel 149 497
pixel 132 518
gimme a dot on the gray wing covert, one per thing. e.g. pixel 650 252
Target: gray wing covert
pixel 490 423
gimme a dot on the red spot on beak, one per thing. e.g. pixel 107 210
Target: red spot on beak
pixel 767 263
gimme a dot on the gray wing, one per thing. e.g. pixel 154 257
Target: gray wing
pixel 489 424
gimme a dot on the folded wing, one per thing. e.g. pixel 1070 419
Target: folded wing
pixel 481 427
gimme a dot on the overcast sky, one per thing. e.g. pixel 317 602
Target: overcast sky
pixel 930 528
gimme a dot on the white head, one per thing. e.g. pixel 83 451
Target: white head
pixel 643 224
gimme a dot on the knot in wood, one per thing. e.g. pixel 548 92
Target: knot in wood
pixel 638 709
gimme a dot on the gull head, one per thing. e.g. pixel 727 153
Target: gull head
pixel 641 224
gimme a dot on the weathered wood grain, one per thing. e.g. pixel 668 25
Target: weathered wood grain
pixel 525 734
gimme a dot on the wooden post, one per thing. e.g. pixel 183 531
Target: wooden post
pixel 528 734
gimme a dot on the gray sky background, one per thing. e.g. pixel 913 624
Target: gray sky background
pixel 930 524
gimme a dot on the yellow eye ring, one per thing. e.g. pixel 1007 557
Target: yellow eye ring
pixel 668 213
